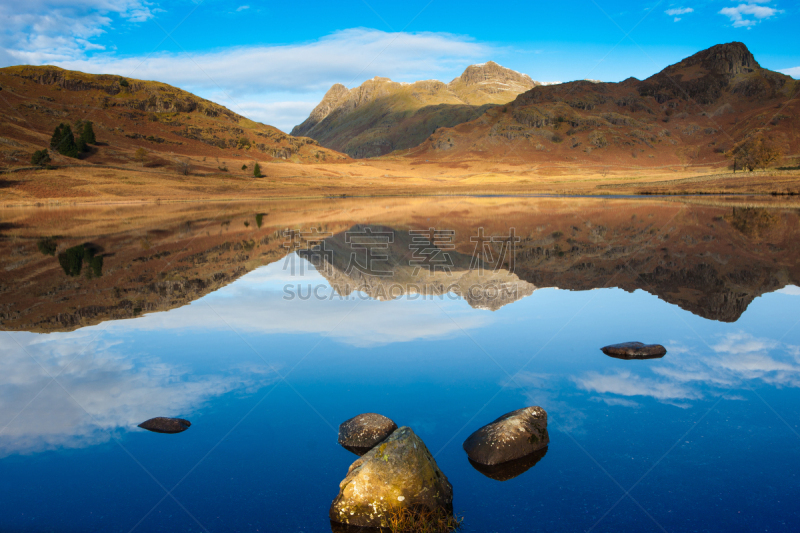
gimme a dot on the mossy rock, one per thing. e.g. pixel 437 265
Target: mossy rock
pixel 399 473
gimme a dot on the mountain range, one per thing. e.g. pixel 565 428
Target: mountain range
pixel 690 114
pixel 381 115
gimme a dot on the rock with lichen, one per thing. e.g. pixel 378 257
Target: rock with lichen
pixel 513 435
pixel 400 473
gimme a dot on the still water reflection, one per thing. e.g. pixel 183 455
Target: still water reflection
pixel 267 325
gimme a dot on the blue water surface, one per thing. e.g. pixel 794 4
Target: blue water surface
pixel 705 439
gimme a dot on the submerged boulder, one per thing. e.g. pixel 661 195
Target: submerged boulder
pixel 635 350
pixel 510 469
pixel 511 436
pixel 162 424
pixel 362 432
pixel 399 473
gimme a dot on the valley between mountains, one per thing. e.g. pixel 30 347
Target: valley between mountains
pixel 693 127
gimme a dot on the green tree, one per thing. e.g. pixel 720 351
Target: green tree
pixel 40 157
pixel 244 167
pixel 63 141
pixel 87 133
pixel 123 82
pixel 257 171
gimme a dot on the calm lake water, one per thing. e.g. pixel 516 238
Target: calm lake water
pixel 267 325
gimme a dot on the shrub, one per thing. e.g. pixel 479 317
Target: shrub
pixel 40 158
pixel 244 167
pixel 47 246
pixel 257 171
pixel 753 153
pixel 243 143
pixel 140 155
pixel 123 82
pixel 259 219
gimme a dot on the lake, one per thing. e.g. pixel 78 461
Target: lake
pixel 268 324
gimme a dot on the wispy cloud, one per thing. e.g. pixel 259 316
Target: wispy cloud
pixel 735 358
pixel 679 11
pixel 279 85
pixel 108 393
pixel 749 14
pixel 45 31
pixel 347 56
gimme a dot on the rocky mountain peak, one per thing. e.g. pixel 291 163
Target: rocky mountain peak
pixel 729 59
pixel 492 74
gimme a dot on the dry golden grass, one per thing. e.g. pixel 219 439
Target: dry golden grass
pixel 423 521
pixel 380 177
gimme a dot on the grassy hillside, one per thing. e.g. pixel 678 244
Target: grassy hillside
pixel 169 124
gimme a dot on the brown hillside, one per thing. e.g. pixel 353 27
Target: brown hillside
pixel 382 115
pixel 169 123
pixel 689 114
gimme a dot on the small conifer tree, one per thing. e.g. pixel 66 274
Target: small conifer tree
pixel 63 141
pixel 257 170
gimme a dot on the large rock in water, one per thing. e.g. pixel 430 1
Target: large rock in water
pixel 162 424
pixel 511 436
pixel 635 350
pixel 398 473
pixel 362 432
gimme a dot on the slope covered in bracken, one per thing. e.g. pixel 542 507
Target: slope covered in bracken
pixel 381 115
pixel 689 114
pixel 168 123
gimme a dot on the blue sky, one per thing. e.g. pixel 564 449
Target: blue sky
pixel 274 61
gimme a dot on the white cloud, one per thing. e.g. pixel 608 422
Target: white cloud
pixel 738 15
pixel 246 79
pixel 627 383
pixel 792 290
pixel 255 304
pixel 242 8
pixel 46 31
pixel 347 56
pixel 679 11
pixel 103 393
pixel 282 114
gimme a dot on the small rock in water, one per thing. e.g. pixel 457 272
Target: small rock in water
pixel 399 473
pixel 511 436
pixel 510 469
pixel 362 432
pixel 162 424
pixel 635 350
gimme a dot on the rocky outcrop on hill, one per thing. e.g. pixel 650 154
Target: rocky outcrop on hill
pixel 380 115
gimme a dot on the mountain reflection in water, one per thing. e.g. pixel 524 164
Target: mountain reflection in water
pixel 710 260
